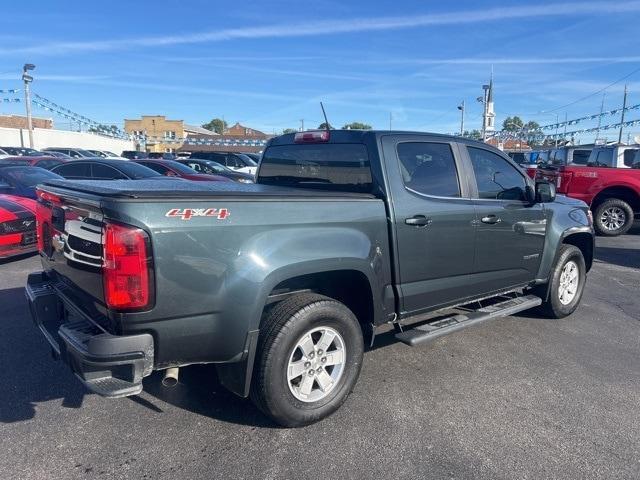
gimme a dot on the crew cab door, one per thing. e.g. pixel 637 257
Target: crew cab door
pixel 510 231
pixel 432 221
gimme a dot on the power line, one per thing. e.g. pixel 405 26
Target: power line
pixel 590 95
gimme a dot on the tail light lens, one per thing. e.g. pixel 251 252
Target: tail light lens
pixel 317 136
pixel 43 214
pixel 563 180
pixel 127 267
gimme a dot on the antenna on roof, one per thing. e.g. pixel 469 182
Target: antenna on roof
pixel 326 122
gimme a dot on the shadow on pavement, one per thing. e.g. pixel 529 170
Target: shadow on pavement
pixel 199 391
pixel 30 375
pixel 4 261
pixel 625 257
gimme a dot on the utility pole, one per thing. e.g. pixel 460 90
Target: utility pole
pixel 600 118
pixel 564 135
pixel 27 79
pixel 461 108
pixel 302 124
pixel 624 107
pixel 556 135
pixel 390 120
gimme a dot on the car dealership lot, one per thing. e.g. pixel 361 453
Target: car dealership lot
pixel 519 397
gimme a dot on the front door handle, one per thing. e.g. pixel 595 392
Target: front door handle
pixel 491 219
pixel 418 221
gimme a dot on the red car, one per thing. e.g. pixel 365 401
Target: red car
pixel 171 168
pixel 42 161
pixel 17 225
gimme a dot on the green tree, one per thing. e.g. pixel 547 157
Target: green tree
pixel 512 124
pixel 356 126
pixel 533 133
pixel 323 126
pixel 474 134
pixel 289 130
pixel 217 125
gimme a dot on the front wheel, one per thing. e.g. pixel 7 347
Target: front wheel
pixel 308 360
pixel 566 283
pixel 613 217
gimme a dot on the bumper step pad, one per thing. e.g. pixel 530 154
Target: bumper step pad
pixel 430 331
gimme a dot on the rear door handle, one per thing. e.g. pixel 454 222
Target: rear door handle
pixel 418 221
pixel 491 219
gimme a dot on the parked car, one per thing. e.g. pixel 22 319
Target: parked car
pixel 104 169
pixel 570 155
pixel 613 193
pixel 280 283
pixel 235 161
pixel 163 155
pixel 17 226
pixel 57 154
pixel 171 168
pixel 253 156
pixel 615 156
pixel 19 151
pixel 21 180
pixel 72 152
pixel 44 161
pixel 3 154
pixel 106 154
pixel 134 154
pixel 214 168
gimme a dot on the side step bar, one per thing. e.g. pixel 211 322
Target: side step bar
pixel 429 331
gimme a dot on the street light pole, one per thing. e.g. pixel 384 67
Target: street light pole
pixel 461 108
pixel 27 79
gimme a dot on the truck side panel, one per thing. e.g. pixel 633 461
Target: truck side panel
pixel 213 276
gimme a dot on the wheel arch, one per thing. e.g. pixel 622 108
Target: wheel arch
pixel 621 192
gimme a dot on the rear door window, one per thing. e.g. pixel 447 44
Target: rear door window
pixel 73 170
pixel 328 166
pixel 429 168
pixel 602 158
pixel 105 172
pixel 629 156
pixel 156 167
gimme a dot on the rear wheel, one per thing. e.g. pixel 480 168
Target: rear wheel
pixel 308 359
pixel 613 217
pixel 566 283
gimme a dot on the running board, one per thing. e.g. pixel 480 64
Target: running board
pixel 429 331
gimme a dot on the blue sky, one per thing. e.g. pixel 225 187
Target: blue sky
pixel 268 64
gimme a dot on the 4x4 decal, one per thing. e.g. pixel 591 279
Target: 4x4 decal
pixel 188 213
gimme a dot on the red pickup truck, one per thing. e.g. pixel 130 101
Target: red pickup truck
pixel 613 194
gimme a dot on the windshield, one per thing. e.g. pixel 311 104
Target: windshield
pixel 247 160
pixel 20 151
pixel 135 170
pixel 29 176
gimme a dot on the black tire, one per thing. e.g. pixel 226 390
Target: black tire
pixel 281 329
pixel 601 212
pixel 553 307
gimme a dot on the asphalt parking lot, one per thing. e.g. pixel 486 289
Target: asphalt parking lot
pixel 519 397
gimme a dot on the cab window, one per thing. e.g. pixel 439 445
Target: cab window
pixel 429 168
pixel 497 179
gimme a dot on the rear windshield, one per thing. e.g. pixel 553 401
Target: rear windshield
pixel 29 176
pixel 327 166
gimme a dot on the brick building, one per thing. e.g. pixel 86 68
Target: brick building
pixel 236 138
pixel 238 130
pixel 20 121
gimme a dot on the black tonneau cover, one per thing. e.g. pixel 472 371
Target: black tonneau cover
pixel 172 188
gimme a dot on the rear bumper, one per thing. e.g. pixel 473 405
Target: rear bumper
pixel 109 365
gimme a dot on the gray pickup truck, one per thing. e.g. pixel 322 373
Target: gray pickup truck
pixel 282 283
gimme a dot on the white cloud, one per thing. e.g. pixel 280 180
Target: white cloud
pixel 353 25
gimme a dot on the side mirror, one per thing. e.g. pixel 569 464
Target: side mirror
pixel 545 191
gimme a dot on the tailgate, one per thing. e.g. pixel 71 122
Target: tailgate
pixel 70 245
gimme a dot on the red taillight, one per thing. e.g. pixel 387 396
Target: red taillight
pixel 43 214
pixel 312 137
pixel 126 267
